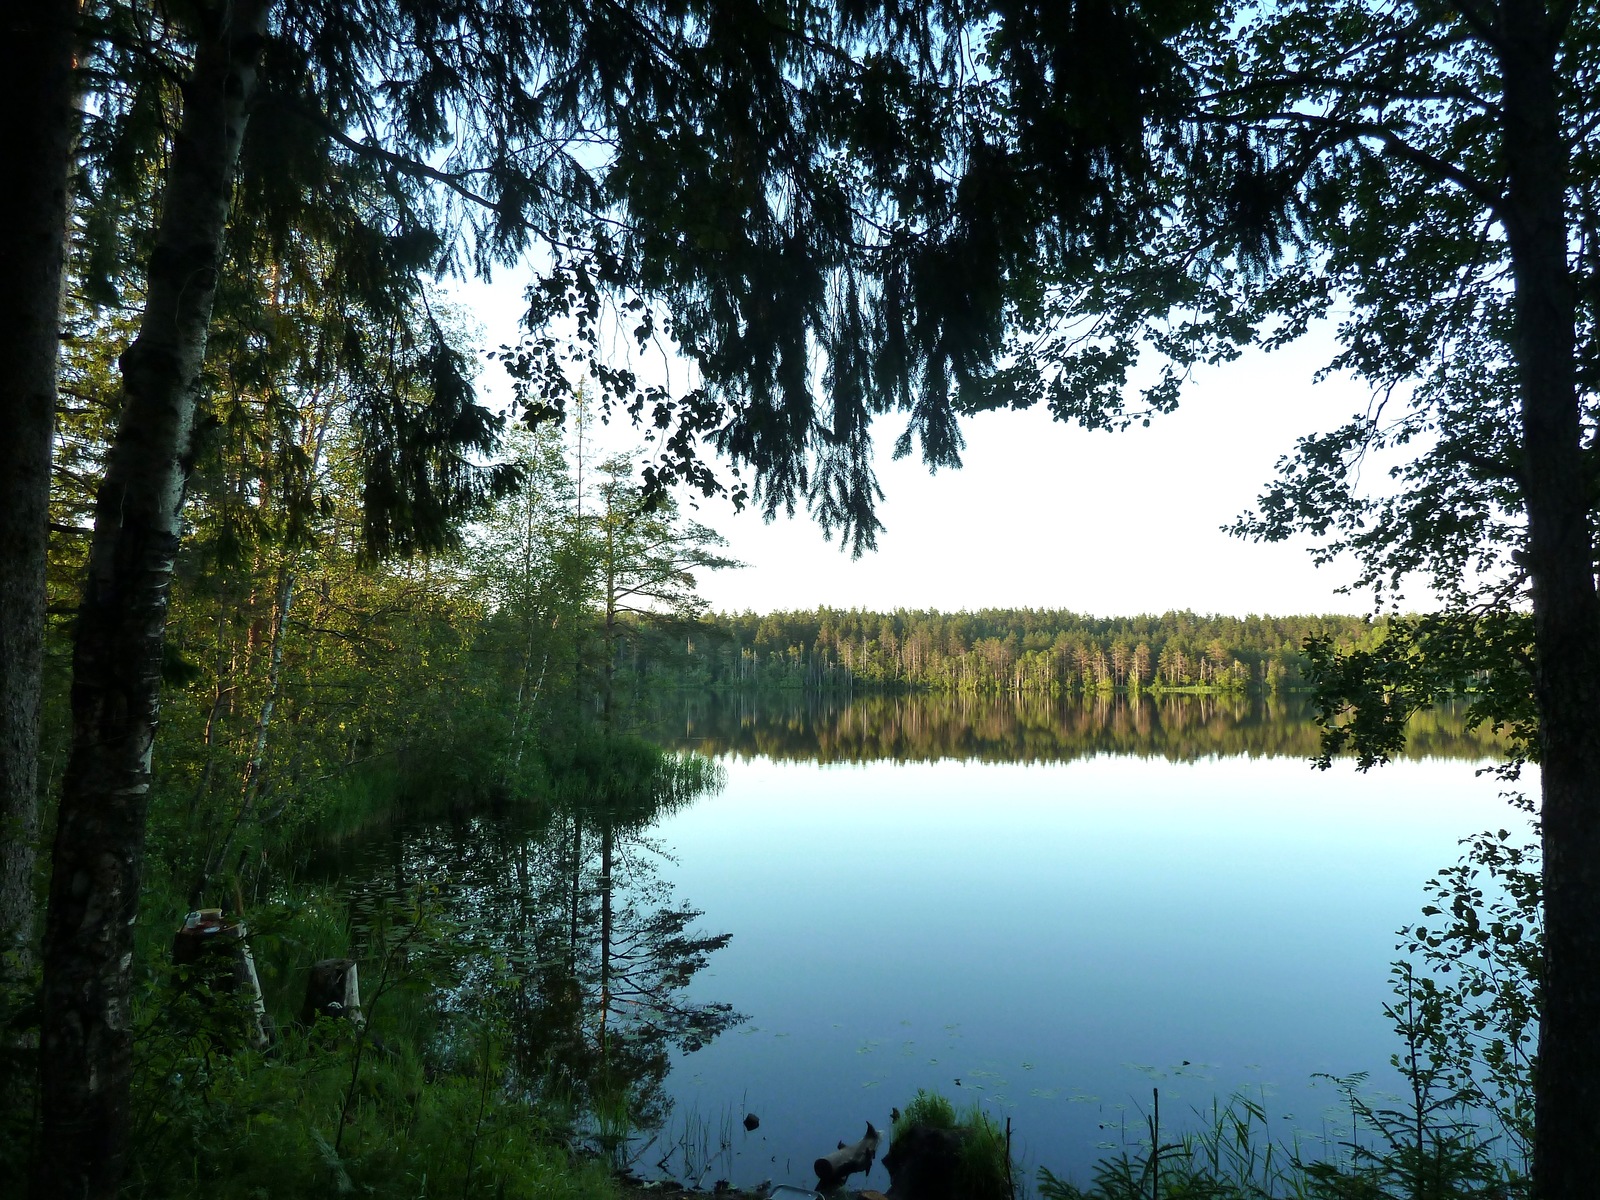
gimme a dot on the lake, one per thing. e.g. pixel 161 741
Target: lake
pixel 1046 908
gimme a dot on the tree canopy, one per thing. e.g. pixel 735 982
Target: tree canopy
pixel 836 213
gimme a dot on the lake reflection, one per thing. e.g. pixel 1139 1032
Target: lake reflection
pixel 1021 728
pixel 1043 907
pixel 1162 894
pixel 559 921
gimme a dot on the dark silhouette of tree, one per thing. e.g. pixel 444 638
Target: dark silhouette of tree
pixel 37 63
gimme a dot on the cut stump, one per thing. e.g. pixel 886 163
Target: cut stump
pixel 333 989
pixel 217 954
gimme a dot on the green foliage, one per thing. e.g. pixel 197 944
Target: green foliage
pixel 1478 994
pixel 332 669
pixel 1392 1154
pixel 998 650
pixel 1466 1015
pixel 1233 1156
pixel 1466 1025
pixel 333 1112
pixel 927 1109
pixel 1368 695
pixel 983 1170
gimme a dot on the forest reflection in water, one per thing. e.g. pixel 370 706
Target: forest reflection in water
pixel 552 929
pixel 1028 727
pixel 1174 886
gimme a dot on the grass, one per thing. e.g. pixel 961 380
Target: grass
pixel 1234 1156
pixel 983 1169
pixel 300 1124
pixel 412 1103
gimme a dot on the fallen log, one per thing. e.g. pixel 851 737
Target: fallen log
pixel 833 1169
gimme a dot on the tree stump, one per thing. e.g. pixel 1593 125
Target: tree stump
pixel 217 954
pixel 333 989
pixel 925 1164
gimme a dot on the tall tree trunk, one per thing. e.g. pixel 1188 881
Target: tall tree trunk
pixel 36 60
pixel 1566 612
pixel 607 849
pixel 85 1052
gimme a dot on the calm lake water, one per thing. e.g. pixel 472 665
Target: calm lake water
pixel 1047 909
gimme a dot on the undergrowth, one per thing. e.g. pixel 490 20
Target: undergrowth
pixel 409 1101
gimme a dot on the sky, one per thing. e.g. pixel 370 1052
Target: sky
pixel 1046 515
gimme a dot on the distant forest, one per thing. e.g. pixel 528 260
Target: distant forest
pixel 1048 651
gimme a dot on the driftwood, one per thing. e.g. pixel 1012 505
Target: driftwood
pixel 333 989
pixel 217 955
pixel 833 1169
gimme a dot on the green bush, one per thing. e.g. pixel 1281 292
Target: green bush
pixel 983 1166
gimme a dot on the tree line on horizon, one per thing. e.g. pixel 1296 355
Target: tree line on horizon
pixel 1051 651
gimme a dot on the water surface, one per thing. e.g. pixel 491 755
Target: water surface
pixel 1046 908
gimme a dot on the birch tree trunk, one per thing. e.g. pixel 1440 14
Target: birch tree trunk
pixel 85 1052
pixel 36 63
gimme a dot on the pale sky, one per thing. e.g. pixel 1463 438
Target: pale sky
pixel 1049 516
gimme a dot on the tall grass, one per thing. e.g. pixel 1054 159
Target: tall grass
pixel 412 1102
pixel 1235 1156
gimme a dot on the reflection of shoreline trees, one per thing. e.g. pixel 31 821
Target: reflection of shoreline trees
pixel 568 913
pixel 1024 728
